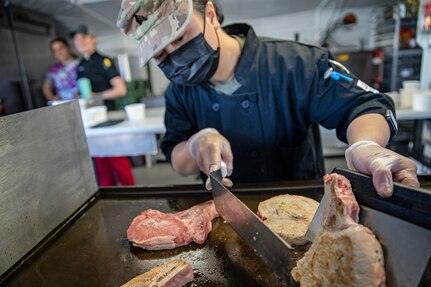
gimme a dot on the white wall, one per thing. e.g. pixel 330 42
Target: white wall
pixel 310 26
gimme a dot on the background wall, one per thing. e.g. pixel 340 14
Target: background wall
pixel 308 19
pixel 120 44
pixel 310 26
pixel 33 32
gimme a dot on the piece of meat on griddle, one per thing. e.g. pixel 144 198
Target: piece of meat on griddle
pixel 175 273
pixel 344 252
pixel 289 216
pixel 155 230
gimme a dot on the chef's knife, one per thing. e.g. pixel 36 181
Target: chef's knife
pixel 402 223
pixel 271 248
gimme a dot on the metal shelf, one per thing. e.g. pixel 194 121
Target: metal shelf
pixel 385 34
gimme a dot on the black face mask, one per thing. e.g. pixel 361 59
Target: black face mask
pixel 193 63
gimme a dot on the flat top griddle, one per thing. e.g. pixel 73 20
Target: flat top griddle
pixel 94 251
pixel 91 248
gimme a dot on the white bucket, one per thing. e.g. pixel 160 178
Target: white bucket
pixel 94 116
pixel 135 112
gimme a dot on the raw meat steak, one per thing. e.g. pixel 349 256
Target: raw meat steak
pixel 175 273
pixel 344 253
pixel 155 230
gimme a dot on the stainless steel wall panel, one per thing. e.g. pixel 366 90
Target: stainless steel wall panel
pixel 45 175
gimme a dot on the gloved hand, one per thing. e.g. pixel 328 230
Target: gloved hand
pixel 209 148
pixel 383 164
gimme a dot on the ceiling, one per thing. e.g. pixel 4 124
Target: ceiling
pixel 100 15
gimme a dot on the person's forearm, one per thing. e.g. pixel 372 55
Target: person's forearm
pixel 118 89
pixel 369 127
pixel 182 162
pixel 47 92
pixel 111 94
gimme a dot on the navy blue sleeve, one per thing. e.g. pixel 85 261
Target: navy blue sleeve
pixel 178 122
pixel 110 69
pixel 335 104
pixel 79 73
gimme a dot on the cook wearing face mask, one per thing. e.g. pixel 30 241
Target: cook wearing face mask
pixel 255 103
pixel 194 63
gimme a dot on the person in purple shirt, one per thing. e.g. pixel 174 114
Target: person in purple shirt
pixel 60 82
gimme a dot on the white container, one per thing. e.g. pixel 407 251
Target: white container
pixel 411 85
pixel 135 112
pixel 422 101
pixel 94 116
pixel 406 98
pixel 406 93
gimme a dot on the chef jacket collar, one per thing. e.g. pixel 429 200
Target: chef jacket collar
pixel 248 53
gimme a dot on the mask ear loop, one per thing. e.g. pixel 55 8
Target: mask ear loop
pixel 218 39
pixel 205 20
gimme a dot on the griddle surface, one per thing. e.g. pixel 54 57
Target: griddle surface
pixel 94 250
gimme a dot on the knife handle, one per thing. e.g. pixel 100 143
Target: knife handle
pixel 223 169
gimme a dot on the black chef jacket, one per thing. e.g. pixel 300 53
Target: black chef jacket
pixel 268 120
pixel 99 70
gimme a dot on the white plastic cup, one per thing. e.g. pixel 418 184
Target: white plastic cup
pixel 94 115
pixel 135 112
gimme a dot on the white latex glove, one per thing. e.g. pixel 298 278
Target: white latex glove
pixel 209 148
pixel 382 164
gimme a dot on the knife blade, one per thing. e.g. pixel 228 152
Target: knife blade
pixel 401 223
pixel 270 247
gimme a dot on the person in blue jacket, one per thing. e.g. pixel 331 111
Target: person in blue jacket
pixel 255 103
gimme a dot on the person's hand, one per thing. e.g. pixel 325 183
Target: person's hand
pixel 382 164
pixel 209 148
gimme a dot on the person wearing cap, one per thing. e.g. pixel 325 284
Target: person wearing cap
pixel 107 84
pixel 60 81
pixel 255 103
